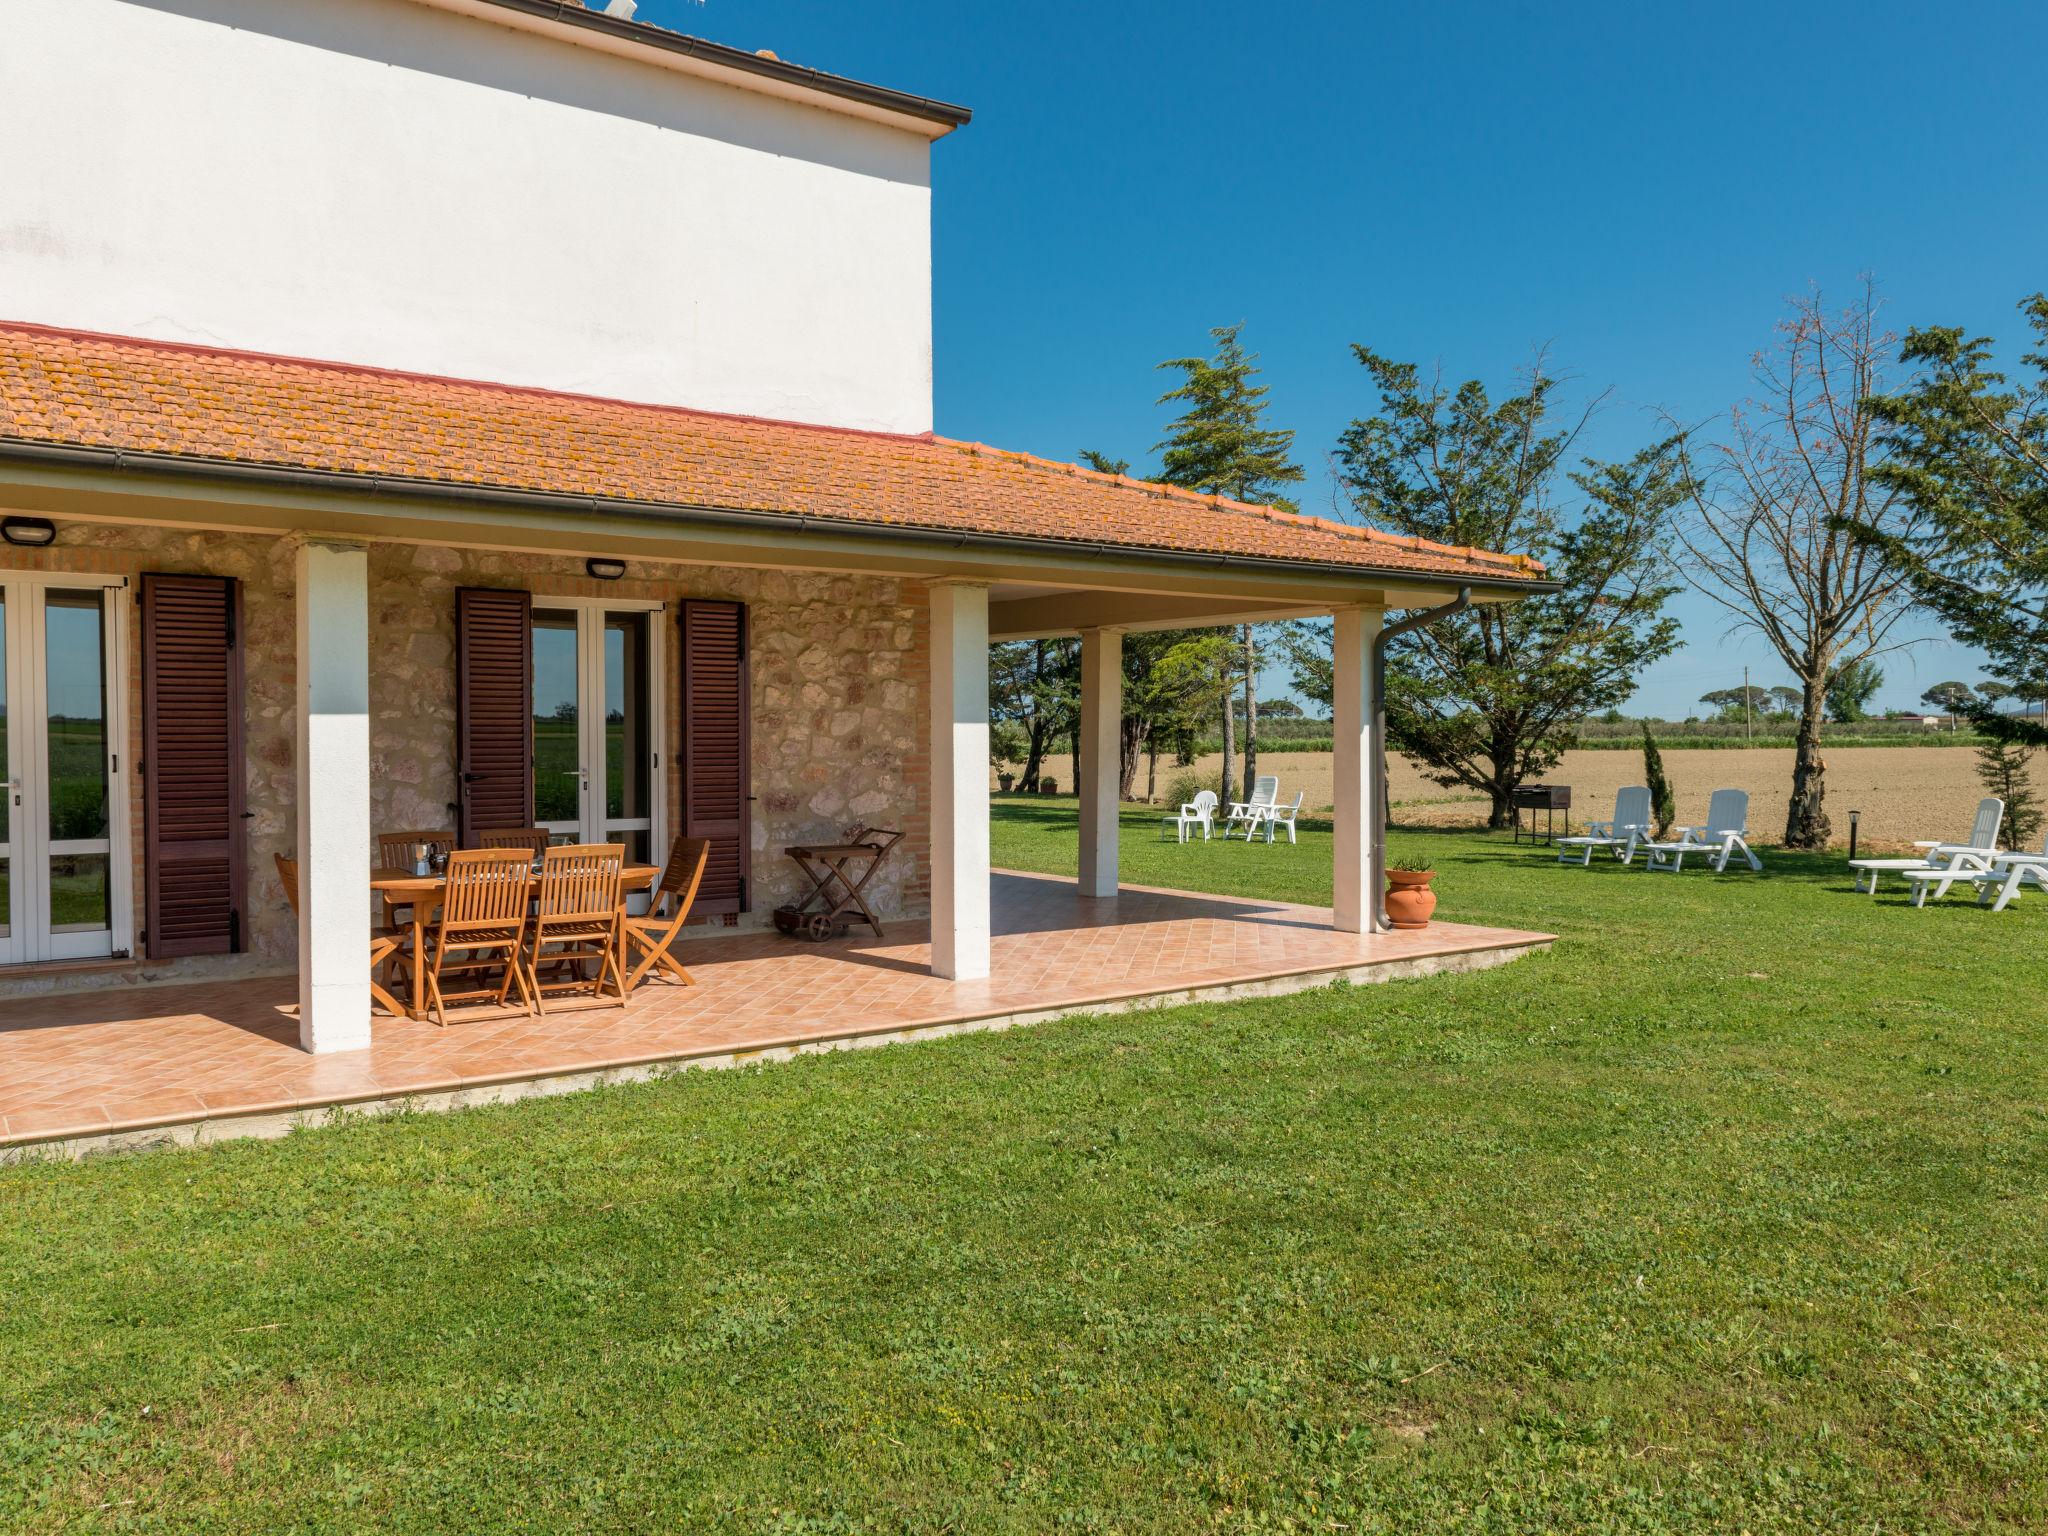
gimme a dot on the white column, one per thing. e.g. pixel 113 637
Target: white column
pixel 1352 706
pixel 959 780
pixel 334 796
pixel 1100 774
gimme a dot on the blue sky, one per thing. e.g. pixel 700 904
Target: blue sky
pixel 1638 187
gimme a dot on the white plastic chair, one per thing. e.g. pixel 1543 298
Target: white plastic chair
pixel 1980 848
pixel 1282 816
pixel 1999 886
pixel 1723 835
pixel 1198 812
pixel 1621 837
pixel 1265 790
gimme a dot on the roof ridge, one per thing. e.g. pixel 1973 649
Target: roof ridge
pixel 1360 531
pixel 459 381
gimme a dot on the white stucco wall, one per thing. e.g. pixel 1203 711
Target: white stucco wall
pixel 378 181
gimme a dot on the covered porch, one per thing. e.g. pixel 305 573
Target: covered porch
pixel 99 1070
pixel 278 610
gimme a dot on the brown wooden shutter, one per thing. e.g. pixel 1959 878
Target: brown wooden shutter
pixel 193 777
pixel 493 710
pixel 716 710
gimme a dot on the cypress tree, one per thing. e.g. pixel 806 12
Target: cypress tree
pixel 1663 804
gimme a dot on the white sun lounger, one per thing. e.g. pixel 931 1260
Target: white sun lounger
pixel 1724 834
pixel 1999 886
pixel 1982 846
pixel 1961 865
pixel 1620 837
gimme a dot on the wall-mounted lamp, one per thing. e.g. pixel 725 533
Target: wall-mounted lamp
pixel 604 570
pixel 35 531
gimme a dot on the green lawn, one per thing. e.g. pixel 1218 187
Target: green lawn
pixel 557 754
pixel 1731 1212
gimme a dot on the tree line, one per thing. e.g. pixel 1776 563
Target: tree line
pixel 1846 692
pixel 1868 477
pixel 1847 697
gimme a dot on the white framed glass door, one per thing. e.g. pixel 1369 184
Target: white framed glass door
pixel 597 723
pixel 64 832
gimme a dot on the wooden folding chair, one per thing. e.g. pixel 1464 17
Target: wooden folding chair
pixel 577 913
pixel 533 839
pixel 657 930
pixel 384 941
pixel 394 849
pixel 483 916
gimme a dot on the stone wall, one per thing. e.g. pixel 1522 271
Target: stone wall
pixel 839 726
pixel 840 677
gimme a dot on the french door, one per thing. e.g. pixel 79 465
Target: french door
pixel 65 886
pixel 597 723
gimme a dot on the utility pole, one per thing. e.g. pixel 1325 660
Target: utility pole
pixel 1748 727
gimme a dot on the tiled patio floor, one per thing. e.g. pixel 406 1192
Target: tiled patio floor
pixel 94 1064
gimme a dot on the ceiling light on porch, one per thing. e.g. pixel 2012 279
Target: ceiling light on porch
pixel 28 530
pixel 604 570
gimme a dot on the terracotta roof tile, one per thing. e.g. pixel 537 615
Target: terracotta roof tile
pixel 68 388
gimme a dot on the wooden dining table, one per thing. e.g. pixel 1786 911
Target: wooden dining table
pixel 422 893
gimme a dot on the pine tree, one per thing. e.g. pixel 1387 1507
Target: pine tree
pixel 1970 450
pixel 1170 677
pixel 1221 446
pixel 1490 699
pixel 2006 770
pixel 1950 698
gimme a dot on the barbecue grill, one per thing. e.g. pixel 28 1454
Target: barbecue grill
pixel 1547 798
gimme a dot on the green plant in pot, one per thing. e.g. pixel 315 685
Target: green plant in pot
pixel 1410 901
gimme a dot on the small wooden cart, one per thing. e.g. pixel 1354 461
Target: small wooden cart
pixel 838 873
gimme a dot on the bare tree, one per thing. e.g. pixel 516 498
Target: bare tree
pixel 1765 537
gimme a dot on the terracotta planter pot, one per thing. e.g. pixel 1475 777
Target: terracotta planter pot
pixel 1409 898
